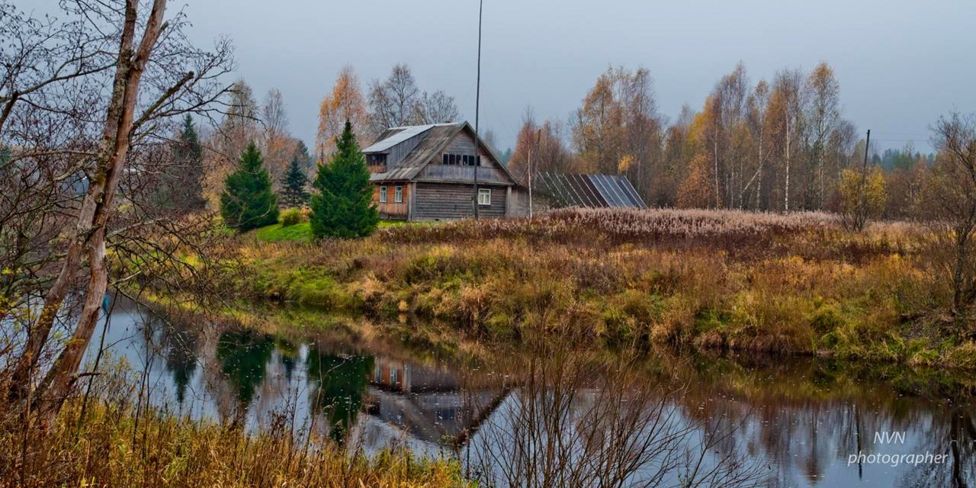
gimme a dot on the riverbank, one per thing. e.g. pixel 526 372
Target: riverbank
pixel 794 284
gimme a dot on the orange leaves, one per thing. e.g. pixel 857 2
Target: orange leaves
pixel 346 102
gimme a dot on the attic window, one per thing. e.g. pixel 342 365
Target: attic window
pixel 461 160
pixel 376 159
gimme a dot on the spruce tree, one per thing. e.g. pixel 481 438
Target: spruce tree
pixel 248 201
pixel 342 205
pixel 293 191
pixel 188 195
pixel 180 187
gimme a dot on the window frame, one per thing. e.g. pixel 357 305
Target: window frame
pixel 484 191
pixel 398 194
pixel 383 190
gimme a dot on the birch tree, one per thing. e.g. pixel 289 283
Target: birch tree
pixel 823 117
pixel 344 102
pixel 156 75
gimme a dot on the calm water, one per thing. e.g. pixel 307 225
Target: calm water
pixel 773 422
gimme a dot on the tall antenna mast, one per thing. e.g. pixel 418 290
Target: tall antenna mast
pixel 477 113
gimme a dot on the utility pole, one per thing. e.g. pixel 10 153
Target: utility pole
pixel 530 182
pixel 867 144
pixel 538 137
pixel 477 113
pixel 860 212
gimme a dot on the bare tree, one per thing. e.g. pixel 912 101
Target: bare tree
pixel 393 102
pixel 435 108
pixel 952 193
pixel 786 112
pixel 278 144
pixel 157 76
pixel 39 53
pixel 398 101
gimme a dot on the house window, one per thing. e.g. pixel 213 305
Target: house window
pixel 398 194
pixel 376 159
pixel 394 376
pixel 461 160
pixel 382 194
pixel 484 196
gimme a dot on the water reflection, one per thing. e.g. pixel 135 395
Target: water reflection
pixel 338 388
pixel 565 419
pixel 180 345
pixel 243 357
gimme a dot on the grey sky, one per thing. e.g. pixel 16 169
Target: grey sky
pixel 900 63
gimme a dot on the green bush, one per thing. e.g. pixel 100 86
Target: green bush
pixel 292 216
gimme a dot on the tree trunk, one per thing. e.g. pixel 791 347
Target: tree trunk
pixel 115 147
pixel 786 203
pixel 958 272
pixel 59 380
pixel 24 370
pixel 718 194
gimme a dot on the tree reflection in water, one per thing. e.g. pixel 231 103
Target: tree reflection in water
pixel 180 345
pixel 575 421
pixel 339 385
pixel 243 357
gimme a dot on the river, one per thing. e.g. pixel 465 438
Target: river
pixel 561 419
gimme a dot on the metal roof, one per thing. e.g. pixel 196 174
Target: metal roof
pixel 592 191
pixel 396 135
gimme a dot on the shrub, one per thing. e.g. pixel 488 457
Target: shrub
pixel 292 216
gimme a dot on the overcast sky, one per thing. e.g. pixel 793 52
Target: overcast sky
pixel 900 63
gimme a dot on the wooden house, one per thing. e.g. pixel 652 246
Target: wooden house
pixel 429 172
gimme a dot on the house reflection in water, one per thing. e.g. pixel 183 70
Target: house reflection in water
pixel 429 405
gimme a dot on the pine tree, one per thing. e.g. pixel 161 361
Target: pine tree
pixel 342 204
pixel 248 201
pixel 293 191
pixel 189 154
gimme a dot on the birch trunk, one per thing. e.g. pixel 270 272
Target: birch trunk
pixel 786 204
pixel 115 145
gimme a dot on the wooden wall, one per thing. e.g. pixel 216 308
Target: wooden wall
pixel 444 201
pixel 390 209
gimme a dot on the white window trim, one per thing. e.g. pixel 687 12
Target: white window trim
pixel 398 194
pixel 383 194
pixel 482 192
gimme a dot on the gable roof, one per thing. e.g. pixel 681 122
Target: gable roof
pixel 397 135
pixel 433 140
pixel 593 191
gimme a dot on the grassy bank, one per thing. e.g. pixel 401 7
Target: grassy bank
pixel 113 445
pixel 709 279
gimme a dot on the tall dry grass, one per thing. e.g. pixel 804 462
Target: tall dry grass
pixel 113 445
pixel 797 283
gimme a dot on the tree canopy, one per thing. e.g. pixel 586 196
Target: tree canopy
pixel 248 202
pixel 342 203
